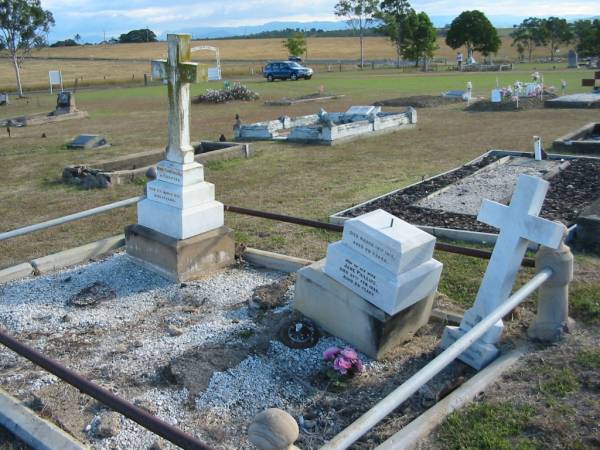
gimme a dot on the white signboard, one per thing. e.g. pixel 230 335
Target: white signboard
pixel 55 78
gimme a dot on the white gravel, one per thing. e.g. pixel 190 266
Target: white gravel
pixel 495 182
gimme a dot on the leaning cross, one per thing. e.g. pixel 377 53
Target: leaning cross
pixel 518 224
pixel 179 72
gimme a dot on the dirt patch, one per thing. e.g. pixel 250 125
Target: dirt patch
pixel 570 191
pixel 272 295
pixel 420 101
pixel 486 105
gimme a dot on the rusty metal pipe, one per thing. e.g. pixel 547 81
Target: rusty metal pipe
pixel 145 419
pixel 465 251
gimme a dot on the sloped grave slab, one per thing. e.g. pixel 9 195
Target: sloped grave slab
pixel 574 184
pixel 585 140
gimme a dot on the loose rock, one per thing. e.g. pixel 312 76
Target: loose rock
pixel 273 429
pixel 109 425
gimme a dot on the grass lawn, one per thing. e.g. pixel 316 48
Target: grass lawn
pixel 307 181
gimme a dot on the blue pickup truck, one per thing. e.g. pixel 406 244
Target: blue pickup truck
pixel 286 70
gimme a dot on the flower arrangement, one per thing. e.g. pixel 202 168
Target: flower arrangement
pixel 342 364
pixel 236 91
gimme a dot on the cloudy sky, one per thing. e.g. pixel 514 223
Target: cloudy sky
pixel 91 18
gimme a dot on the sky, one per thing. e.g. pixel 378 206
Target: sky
pixel 92 18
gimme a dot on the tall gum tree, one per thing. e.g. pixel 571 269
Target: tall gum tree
pixel 23 24
pixel 473 30
pixel 359 14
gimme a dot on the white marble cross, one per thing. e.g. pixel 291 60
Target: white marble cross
pixel 518 224
pixel 179 72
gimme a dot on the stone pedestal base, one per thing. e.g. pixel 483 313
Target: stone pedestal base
pixel 478 355
pixel 341 312
pixel 180 259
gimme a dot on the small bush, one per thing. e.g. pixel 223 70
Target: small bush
pixel 236 91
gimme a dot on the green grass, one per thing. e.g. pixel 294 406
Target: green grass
pixel 584 302
pixel 487 426
pixel 558 382
pixel 588 359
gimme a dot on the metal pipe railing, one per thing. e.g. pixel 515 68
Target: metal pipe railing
pixel 466 251
pixel 384 407
pixel 69 218
pixel 129 410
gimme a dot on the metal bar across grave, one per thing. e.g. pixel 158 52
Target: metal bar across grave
pixel 465 251
pixel 129 410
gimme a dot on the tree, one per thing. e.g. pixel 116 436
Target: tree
pixel 296 44
pixel 556 31
pixel 22 27
pixel 588 37
pixel 77 37
pixel 528 35
pixel 359 14
pixel 136 36
pixel 65 43
pixel 473 30
pixel 421 38
pixel 393 14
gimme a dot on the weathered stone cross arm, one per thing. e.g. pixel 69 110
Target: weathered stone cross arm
pixel 180 72
pixel 530 227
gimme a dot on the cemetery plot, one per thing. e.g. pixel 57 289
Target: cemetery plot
pixel 203 355
pixel 507 104
pixel 65 110
pixel 329 128
pixel 127 169
pixel 583 100
pixel 584 140
pixel 451 200
pixel 421 101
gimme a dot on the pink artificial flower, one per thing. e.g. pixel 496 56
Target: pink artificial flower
pixel 359 366
pixel 350 354
pixel 331 353
pixel 342 365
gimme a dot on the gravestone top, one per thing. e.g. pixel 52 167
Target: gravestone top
pixel 362 110
pixel 65 99
pixel 573 59
pixel 85 141
pixel 496 96
pixel 389 241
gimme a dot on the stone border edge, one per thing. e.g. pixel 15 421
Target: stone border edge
pixel 32 429
pixel 409 436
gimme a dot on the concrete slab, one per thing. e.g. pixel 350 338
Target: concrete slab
pixel 344 314
pixel 16 272
pixel 77 255
pixel 180 259
pixel 275 261
pixel 32 429
pixel 583 100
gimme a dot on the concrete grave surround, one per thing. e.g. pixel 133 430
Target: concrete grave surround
pixel 329 128
pixel 180 205
pixel 518 224
pixel 381 272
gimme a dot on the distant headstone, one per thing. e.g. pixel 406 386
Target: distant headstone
pixel 518 224
pixel 65 103
pixel 496 96
pixel 87 141
pixel 385 260
pixel 573 60
pixel 3 98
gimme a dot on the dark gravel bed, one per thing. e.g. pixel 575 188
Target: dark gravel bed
pixel 420 101
pixel 486 105
pixel 570 191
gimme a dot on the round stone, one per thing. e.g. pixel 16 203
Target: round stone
pixel 273 429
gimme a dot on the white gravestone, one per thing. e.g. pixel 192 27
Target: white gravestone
pixel 179 203
pixel 384 260
pixel 496 96
pixel 518 224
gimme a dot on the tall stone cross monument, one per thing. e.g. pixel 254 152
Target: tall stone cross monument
pixel 180 231
pixel 518 223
